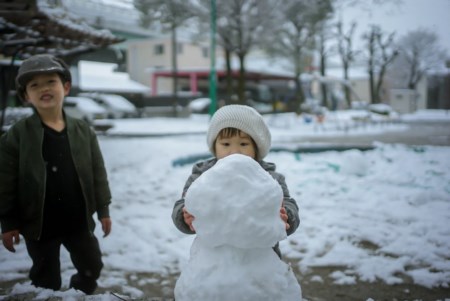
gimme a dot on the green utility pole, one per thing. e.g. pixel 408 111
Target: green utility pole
pixel 212 71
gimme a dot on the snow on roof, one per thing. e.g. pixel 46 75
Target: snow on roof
pixel 44 28
pixel 100 77
pixel 109 15
pixel 65 18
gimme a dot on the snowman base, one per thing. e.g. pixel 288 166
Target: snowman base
pixel 237 221
pixel 228 273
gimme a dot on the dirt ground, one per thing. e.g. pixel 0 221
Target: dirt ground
pixel 378 291
pixel 162 290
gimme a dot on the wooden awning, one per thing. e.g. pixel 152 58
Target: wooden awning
pixel 29 27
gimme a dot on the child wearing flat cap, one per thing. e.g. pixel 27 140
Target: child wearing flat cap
pixel 52 180
pixel 238 129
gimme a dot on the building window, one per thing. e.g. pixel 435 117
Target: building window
pixel 159 49
pixel 205 52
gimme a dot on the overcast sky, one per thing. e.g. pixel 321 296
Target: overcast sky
pixel 407 16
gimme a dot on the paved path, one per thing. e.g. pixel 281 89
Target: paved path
pixel 419 133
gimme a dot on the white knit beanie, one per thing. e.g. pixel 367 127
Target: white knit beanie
pixel 243 118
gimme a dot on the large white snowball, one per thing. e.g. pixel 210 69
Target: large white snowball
pixel 226 273
pixel 236 203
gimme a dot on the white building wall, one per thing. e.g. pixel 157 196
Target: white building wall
pixel 409 101
pixel 361 89
pixel 143 59
pixel 422 94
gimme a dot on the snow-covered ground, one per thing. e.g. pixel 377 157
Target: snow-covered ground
pixel 282 126
pixel 379 214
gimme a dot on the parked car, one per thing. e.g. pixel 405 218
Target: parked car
pixel 12 115
pixel 383 109
pixel 116 106
pixel 199 105
pixel 84 108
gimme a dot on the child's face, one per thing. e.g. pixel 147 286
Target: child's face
pixel 240 143
pixel 46 92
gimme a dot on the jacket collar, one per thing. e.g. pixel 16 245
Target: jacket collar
pixel 36 120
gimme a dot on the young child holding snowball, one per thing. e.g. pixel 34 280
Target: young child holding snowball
pixel 238 129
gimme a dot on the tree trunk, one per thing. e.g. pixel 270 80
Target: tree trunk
pixel 380 84
pixel 347 91
pixel 371 79
pixel 299 95
pixel 174 70
pixel 412 82
pixel 323 85
pixel 241 80
pixel 229 78
pixel 371 86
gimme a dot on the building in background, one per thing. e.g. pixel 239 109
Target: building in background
pixel 145 54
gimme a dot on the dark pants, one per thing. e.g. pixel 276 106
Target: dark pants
pixel 85 254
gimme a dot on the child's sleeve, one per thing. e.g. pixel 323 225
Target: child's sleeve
pixel 102 190
pixel 292 212
pixel 177 217
pixel 177 212
pixel 290 204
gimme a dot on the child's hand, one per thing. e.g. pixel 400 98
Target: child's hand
pixel 106 225
pixel 284 217
pixel 188 218
pixel 10 239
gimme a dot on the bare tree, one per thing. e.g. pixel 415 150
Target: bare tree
pixel 388 53
pixel 346 50
pixel 381 53
pixel 241 26
pixel 419 52
pixel 248 21
pixel 225 35
pixel 347 54
pixel 295 37
pixel 323 36
pixel 171 14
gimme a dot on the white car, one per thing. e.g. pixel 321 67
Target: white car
pixel 116 106
pixel 12 115
pixel 199 105
pixel 84 108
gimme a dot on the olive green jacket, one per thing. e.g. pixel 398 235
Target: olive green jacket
pixel 23 174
